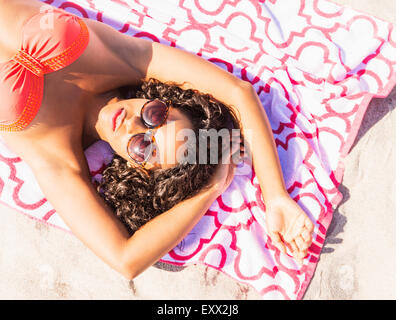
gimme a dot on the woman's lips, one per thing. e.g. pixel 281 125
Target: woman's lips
pixel 118 118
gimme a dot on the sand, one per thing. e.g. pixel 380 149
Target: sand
pixel 358 260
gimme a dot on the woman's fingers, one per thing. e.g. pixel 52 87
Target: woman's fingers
pixel 302 240
pixel 306 232
pixel 277 242
pixel 306 235
pixel 237 146
pixel 309 225
pixel 298 247
pixel 299 258
pixel 293 246
pixel 301 244
pixel 233 146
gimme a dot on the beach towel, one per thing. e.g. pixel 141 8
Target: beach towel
pixel 315 66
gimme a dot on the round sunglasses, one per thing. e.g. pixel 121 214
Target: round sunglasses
pixel 141 146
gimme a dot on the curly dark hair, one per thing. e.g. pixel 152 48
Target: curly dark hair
pixel 137 195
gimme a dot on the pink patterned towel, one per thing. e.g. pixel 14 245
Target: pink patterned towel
pixel 315 66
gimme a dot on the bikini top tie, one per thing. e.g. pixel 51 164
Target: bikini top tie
pixel 29 63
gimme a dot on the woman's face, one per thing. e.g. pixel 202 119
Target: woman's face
pixel 119 120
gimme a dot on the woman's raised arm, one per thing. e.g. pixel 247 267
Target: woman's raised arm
pixel 70 192
pixel 287 223
pixel 139 58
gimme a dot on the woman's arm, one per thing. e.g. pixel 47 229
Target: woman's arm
pixel 144 59
pixel 70 192
pixel 170 64
pixel 287 223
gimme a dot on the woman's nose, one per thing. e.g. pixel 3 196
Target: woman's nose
pixel 134 124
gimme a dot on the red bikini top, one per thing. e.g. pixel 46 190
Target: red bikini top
pixel 51 40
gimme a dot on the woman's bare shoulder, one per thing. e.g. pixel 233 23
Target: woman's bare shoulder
pixel 13 15
pixel 19 8
pixel 112 59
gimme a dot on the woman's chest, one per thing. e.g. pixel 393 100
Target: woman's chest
pixel 69 110
pixel 58 124
pixel 62 105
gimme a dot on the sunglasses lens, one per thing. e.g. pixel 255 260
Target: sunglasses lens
pixel 154 113
pixel 140 147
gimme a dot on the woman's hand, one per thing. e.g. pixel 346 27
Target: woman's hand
pixel 225 170
pixel 222 178
pixel 288 225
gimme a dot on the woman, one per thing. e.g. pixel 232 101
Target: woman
pixel 138 195
pixel 60 79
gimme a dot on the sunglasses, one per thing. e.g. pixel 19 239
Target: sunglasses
pixel 141 146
